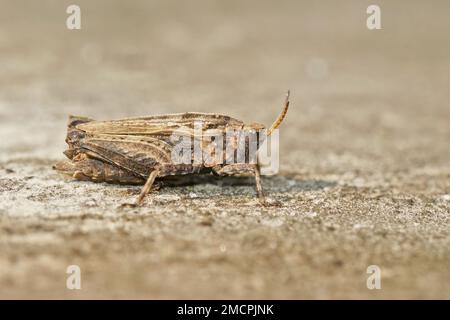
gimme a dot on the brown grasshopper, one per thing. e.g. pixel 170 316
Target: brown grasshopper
pixel 139 150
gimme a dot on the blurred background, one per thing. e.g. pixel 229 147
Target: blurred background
pixel 369 113
pixel 349 84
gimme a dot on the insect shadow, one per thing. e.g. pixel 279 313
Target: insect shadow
pixel 280 183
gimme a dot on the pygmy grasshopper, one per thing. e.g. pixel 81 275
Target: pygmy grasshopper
pixel 139 150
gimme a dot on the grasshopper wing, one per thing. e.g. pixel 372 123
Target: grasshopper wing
pixel 161 125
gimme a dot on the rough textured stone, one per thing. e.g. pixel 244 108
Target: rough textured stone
pixel 364 154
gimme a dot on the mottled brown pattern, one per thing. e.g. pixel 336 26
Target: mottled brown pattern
pixel 132 149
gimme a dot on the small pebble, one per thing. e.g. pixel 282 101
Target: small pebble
pixel 272 222
pixel 207 221
pixel 311 214
pixel 358 182
pixel 167 197
pixel 193 195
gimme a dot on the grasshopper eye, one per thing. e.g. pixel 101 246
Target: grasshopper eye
pixel 73 136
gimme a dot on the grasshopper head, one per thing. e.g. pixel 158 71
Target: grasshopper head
pixel 74 135
pixel 76 120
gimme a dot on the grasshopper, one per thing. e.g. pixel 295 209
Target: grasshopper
pixel 139 150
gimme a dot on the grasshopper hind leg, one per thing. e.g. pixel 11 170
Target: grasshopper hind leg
pixel 148 186
pixel 87 169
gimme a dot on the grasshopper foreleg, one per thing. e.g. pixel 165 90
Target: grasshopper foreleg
pixel 238 168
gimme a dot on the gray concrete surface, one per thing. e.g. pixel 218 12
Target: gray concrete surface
pixel 364 152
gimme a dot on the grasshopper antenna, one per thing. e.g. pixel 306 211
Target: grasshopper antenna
pixel 280 118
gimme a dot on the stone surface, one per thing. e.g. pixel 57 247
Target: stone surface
pixel 365 151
